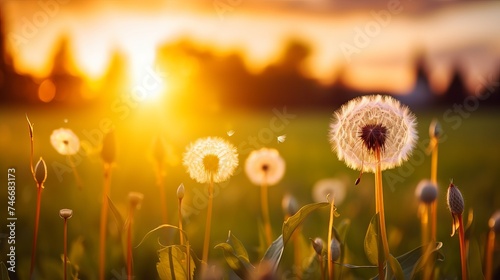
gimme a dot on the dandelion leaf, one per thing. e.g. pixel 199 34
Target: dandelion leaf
pixel 116 214
pixel 371 241
pixel 273 254
pixel 294 221
pixel 4 274
pixel 236 256
pixel 396 271
pixel 173 263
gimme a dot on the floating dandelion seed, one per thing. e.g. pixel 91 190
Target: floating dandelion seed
pixel 281 138
pixel 329 186
pixel 265 167
pixel 65 141
pixel 65 120
pixel 211 156
pixel 230 133
pixel 370 122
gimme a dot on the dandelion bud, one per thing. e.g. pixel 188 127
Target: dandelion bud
pixel 455 200
pixel 317 244
pixel 66 213
pixel 290 205
pixel 335 248
pixel 135 199
pixel 40 172
pixel 426 191
pixel 494 222
pixel 108 152
pixel 180 192
pixel 435 129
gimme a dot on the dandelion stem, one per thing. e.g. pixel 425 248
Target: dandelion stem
pixel 35 234
pixel 490 246
pixel 321 267
pixel 179 212
pixel 434 166
pixel 379 205
pixel 188 257
pixel 209 221
pixel 65 240
pixel 463 254
pixel 330 236
pixel 129 244
pixel 264 202
pixel 77 177
pixel 104 217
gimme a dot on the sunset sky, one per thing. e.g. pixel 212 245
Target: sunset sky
pixel 374 43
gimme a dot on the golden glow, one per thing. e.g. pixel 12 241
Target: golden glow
pixel 97 30
pixel 46 91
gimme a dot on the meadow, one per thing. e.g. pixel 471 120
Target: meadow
pixel 468 153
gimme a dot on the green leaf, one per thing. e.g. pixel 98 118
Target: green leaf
pixel 236 256
pixel 116 214
pixel 414 261
pixel 396 271
pixel 273 254
pixel 172 264
pixel 238 247
pixel 240 265
pixel 294 221
pixel 371 240
pixel 4 273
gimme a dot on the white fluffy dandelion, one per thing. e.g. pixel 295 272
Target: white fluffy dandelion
pixel 265 167
pixel 373 122
pixel 65 141
pixel 329 186
pixel 211 156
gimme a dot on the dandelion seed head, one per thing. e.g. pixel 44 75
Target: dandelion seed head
pixel 265 167
pixel 211 156
pixel 329 186
pixel 65 141
pixel 364 124
pixel 135 199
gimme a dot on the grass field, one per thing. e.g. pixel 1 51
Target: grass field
pixel 469 154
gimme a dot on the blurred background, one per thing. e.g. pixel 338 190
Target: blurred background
pixel 253 72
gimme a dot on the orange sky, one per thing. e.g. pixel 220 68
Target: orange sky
pixel 376 52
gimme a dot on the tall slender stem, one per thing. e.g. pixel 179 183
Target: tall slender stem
pixel 65 240
pixel 35 234
pixel 321 267
pixel 490 246
pixel 264 202
pixel 379 196
pixel 330 236
pixel 104 217
pixel 434 167
pixel 297 256
pixel 208 224
pixel 129 245
pixel 179 213
pixel 463 253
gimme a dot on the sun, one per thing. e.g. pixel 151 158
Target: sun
pixel 149 83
